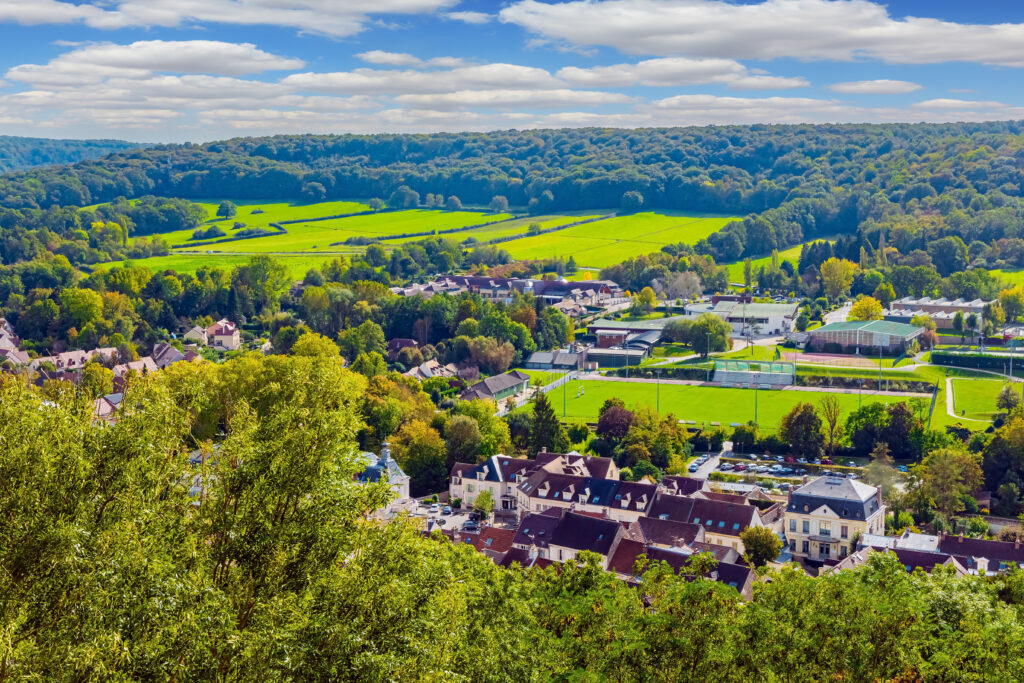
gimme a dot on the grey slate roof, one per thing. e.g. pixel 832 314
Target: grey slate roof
pixel 848 498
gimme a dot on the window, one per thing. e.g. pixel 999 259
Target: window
pixel 696 520
pixel 807 527
pixel 792 546
pixel 805 509
pixel 792 525
pixel 556 494
pixel 805 547
pixel 736 526
pixel 824 529
pixel 844 531
pixel 824 549
pixel 469 487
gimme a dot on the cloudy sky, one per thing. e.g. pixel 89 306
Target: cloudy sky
pixel 176 70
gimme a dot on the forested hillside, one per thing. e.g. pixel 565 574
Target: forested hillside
pixel 123 557
pixel 18 153
pixel 918 181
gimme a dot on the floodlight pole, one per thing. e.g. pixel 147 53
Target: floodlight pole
pixel 564 382
pixel 658 409
pixel 707 355
pixel 755 405
pixel 879 368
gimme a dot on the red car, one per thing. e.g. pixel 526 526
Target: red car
pixel 741 468
pixel 826 461
pixel 790 459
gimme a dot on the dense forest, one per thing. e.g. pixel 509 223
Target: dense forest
pixel 794 183
pixel 17 153
pixel 140 551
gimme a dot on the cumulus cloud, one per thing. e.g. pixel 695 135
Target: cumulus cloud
pixel 93 63
pixel 880 86
pixel 504 99
pixel 470 17
pixel 804 29
pixel 393 81
pixel 677 71
pixel 405 59
pixel 326 17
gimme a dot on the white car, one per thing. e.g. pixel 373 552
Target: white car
pixel 434 508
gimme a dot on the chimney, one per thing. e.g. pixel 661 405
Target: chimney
pixel 543 449
pixel 385 452
pixel 1016 544
pixel 961 538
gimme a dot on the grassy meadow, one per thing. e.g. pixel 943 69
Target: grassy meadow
pixel 697 403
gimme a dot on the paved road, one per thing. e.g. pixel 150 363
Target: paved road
pixel 839 315
pixel 712 464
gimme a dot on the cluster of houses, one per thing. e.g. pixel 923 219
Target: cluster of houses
pixel 223 335
pixel 10 346
pixel 572 296
pixel 549 509
pixel 560 504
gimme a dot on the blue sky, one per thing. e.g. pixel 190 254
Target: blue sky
pixel 177 70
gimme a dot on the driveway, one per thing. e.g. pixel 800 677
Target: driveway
pixel 839 315
pixel 712 464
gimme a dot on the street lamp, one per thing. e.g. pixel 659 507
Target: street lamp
pixel 658 409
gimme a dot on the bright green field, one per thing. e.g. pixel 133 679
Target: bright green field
pixel 190 263
pixel 607 242
pixel 516 227
pixel 1012 276
pixel 977 397
pixel 688 402
pixel 319 235
pixel 736 269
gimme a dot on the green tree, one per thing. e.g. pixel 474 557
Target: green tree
pixel 866 308
pixel 421 453
pixel 462 438
pixel 499 204
pixel 1008 399
pixel 830 411
pixel 483 505
pixel 948 475
pixel 837 276
pixel 801 427
pixel 761 545
pixel 709 329
pixel 313 344
pixel 546 431
pixel 227 210
pixel 370 364
pixel 96 380
pixel 1011 301
pixel 81 306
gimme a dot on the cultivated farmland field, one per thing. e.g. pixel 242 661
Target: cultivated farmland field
pixel 610 241
pixel 701 404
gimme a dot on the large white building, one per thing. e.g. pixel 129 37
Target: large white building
pixel 826 515
pixel 756 318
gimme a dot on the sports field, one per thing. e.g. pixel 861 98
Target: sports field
pixel 607 242
pixel 977 397
pixel 697 403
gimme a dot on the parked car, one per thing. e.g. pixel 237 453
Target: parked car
pixel 694 467
pixel 826 461
pixel 753 457
pixel 471 526
pixel 434 507
pixel 902 468
pixel 725 466
pixel 802 461
pixel 779 458
pixel 447 510
pixel 790 459
pixel 741 468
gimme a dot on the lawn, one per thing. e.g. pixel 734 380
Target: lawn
pixel 1013 276
pixel 697 403
pixel 607 242
pixel 736 269
pixel 977 397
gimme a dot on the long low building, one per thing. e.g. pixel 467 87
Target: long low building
pixel 756 318
pixel 611 333
pixel 864 336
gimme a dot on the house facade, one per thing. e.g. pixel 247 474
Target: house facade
pixel 825 515
pixel 224 335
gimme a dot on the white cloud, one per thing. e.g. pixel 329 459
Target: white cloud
pixel 499 99
pixel 385 81
pixel 389 58
pixel 93 63
pixel 405 59
pixel 880 86
pixel 470 17
pixel 326 17
pixel 677 71
pixel 805 29
pixel 945 103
